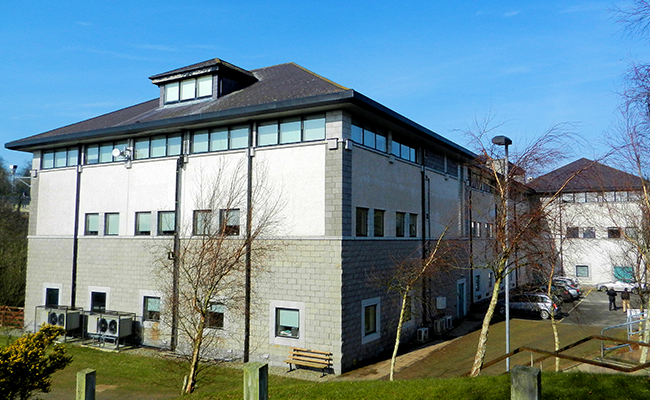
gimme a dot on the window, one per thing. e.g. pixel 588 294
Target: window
pixel 572 232
pixel 52 297
pixel 362 222
pixel 631 232
pixel 215 317
pixel 614 233
pixel 589 233
pixel 567 198
pixel 219 139
pixel 370 320
pixel 378 223
pixel 103 152
pixel 400 224
pixel 142 223
pixel 188 89
pixel 202 222
pixel 166 223
pixel 403 151
pixel 291 130
pixel 287 323
pixel 92 225
pixel 97 301
pixel 490 279
pixel 413 225
pixel 477 283
pixel 475 229
pixel 368 137
pixel 625 274
pixel 151 308
pixel 489 230
pixel 158 146
pixel 111 224
pixel 229 222
pixel 59 158
pixel 582 271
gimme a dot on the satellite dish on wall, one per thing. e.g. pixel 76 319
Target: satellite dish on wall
pixel 116 152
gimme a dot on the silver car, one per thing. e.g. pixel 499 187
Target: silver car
pixel 618 286
pixel 534 304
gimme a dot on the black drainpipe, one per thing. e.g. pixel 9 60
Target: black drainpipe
pixel 425 218
pixel 180 162
pixel 75 235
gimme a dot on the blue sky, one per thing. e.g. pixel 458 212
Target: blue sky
pixel 530 64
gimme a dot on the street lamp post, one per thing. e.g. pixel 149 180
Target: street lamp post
pixel 505 141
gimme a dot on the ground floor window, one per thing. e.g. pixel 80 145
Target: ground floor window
pixel 287 323
pixel 52 297
pixel 216 315
pixel 151 308
pixel 97 301
pixel 582 271
pixel 370 320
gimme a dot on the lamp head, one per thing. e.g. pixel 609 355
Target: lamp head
pixel 501 140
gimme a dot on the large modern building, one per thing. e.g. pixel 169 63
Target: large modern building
pixel 361 187
pixel 595 220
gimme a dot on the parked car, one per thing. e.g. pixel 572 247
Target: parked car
pixel 569 287
pixel 572 281
pixel 619 286
pixel 535 304
pixel 559 291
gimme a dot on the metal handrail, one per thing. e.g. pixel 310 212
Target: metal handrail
pixel 629 332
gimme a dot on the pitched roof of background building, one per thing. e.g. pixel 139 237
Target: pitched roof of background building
pixel 585 176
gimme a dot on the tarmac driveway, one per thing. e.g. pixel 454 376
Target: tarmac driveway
pixel 593 310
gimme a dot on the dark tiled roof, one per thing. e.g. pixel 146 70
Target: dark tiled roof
pixel 275 84
pixel 588 176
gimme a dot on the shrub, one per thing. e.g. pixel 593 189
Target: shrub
pixel 27 364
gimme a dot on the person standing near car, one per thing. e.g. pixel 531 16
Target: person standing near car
pixel 612 299
pixel 625 298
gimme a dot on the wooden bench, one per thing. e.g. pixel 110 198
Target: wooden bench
pixel 309 358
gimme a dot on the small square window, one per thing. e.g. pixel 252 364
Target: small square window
pixel 172 92
pixel 200 141
pixel 202 221
pixel 52 297
pixel 370 320
pixel 188 89
pixel 141 149
pixel 362 222
pixel 92 225
pixel 166 223
pixel 413 225
pixel 215 316
pixel 572 232
pixel 111 224
pixel 582 271
pixel 151 308
pixel 477 283
pixel 589 233
pixel 143 223
pixel 314 128
pixel 97 301
pixel 267 133
pixel 204 86
pixel 239 137
pixel 287 323
pixel 400 224
pixel 379 223
pixel 613 233
pixel 229 222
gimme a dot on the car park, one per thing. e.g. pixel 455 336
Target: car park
pixel 531 304
pixel 571 281
pixel 560 292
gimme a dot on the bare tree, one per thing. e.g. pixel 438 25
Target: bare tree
pixel 407 275
pixel 517 222
pixel 212 255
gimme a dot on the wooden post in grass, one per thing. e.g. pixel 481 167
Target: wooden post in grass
pixel 86 384
pixel 525 383
pixel 256 381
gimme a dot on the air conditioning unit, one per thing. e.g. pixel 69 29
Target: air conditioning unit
pixel 423 334
pixel 448 322
pixel 110 324
pixel 438 325
pixel 66 317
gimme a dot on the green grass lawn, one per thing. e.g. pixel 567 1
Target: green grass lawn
pixel 127 375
